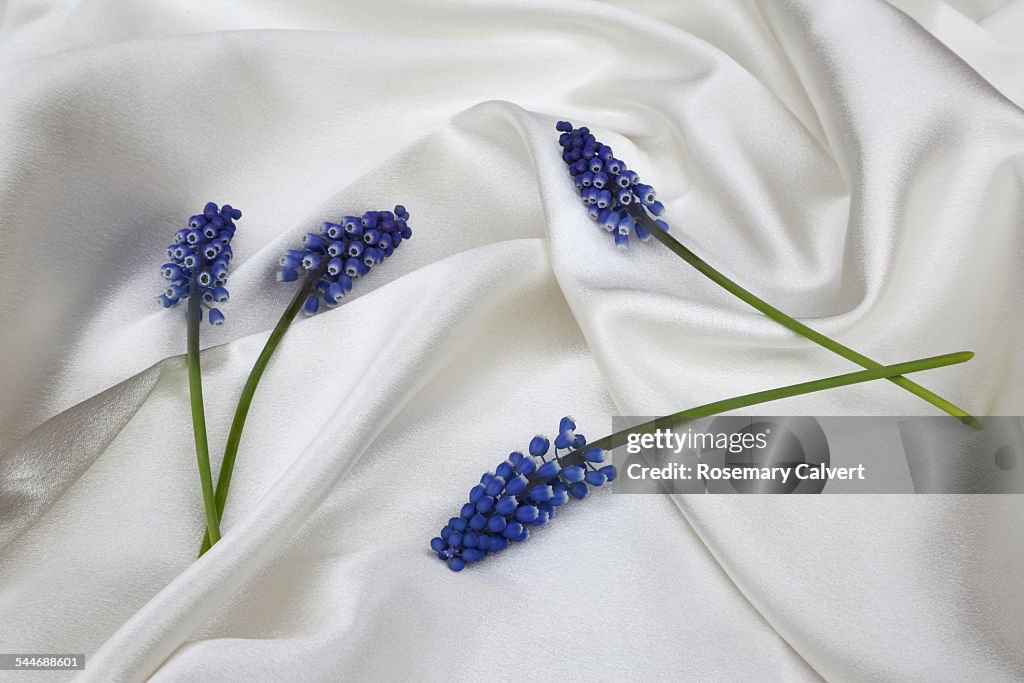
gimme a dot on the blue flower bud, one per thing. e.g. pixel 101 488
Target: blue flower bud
pixel 506 506
pixel 560 496
pixel 645 193
pixel 310 261
pixel 517 485
pixel 594 455
pixel 495 487
pixel 172 271
pixel 476 493
pixel 578 490
pixel 539 445
pixel 540 493
pixel 548 469
pixel 526 466
pixel 512 530
pixel 333 230
pixel 596 478
pixel 505 469
pixel 625 226
pixel 526 513
pixel 609 472
pixel 472 555
pixel 573 473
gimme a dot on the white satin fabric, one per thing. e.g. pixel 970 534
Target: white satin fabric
pixel 850 163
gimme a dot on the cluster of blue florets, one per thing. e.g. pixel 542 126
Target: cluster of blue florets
pixel 202 250
pixel 344 251
pixel 606 185
pixel 522 492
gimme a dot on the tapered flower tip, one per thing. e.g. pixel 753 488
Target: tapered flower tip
pixel 604 183
pixel 201 252
pixel 339 252
pixel 523 491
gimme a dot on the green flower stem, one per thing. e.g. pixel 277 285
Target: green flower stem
pixel 195 390
pixel 674 420
pixel 677 247
pixel 249 390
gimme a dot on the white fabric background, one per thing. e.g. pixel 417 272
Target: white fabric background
pixel 847 162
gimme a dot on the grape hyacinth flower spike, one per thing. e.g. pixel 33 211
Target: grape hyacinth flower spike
pixel 331 259
pixel 339 253
pixel 618 202
pixel 197 272
pixel 526 489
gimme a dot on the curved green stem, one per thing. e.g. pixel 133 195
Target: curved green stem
pixel 677 247
pixel 249 390
pixel 195 390
pixel 674 420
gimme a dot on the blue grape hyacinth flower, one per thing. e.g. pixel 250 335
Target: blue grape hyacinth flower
pixel 202 250
pixel 344 251
pixel 606 185
pixel 523 491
